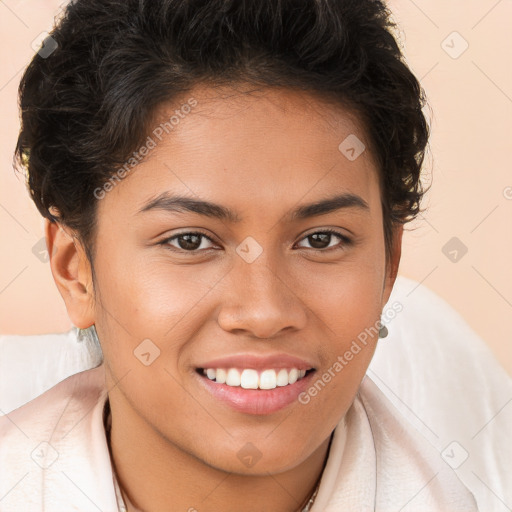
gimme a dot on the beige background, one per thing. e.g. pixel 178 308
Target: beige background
pixel 470 92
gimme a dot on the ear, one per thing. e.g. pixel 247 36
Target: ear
pixel 393 263
pixel 72 273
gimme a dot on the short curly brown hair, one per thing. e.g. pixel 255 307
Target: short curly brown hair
pixel 85 107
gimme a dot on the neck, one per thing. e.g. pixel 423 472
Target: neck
pixel 155 474
pixel 305 506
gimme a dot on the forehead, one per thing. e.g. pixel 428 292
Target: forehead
pixel 245 118
pixel 272 147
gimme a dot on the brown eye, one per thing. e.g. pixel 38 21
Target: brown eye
pixel 318 240
pixel 189 242
pixel 322 240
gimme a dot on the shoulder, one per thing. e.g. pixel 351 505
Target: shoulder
pixel 407 459
pixel 41 414
pixel 53 451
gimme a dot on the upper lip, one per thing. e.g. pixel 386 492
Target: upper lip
pixel 258 362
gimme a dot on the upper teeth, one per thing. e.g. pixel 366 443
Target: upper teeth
pixel 251 379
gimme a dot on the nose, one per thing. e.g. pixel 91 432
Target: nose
pixel 261 301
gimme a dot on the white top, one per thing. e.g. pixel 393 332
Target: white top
pixel 54 457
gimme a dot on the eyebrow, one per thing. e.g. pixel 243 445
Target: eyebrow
pixel 179 204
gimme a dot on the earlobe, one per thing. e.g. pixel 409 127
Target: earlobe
pixel 71 272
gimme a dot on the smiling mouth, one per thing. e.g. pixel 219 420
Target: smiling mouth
pixel 250 378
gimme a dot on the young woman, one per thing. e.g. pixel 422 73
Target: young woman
pixel 225 185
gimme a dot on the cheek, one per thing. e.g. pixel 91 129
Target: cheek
pixel 349 299
pixel 144 285
pixel 349 305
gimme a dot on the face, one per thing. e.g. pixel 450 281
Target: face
pixel 272 286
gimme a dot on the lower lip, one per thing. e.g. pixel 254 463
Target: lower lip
pixel 257 401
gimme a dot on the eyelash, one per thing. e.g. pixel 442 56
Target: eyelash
pixel 345 241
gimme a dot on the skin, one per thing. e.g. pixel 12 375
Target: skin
pixel 261 155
